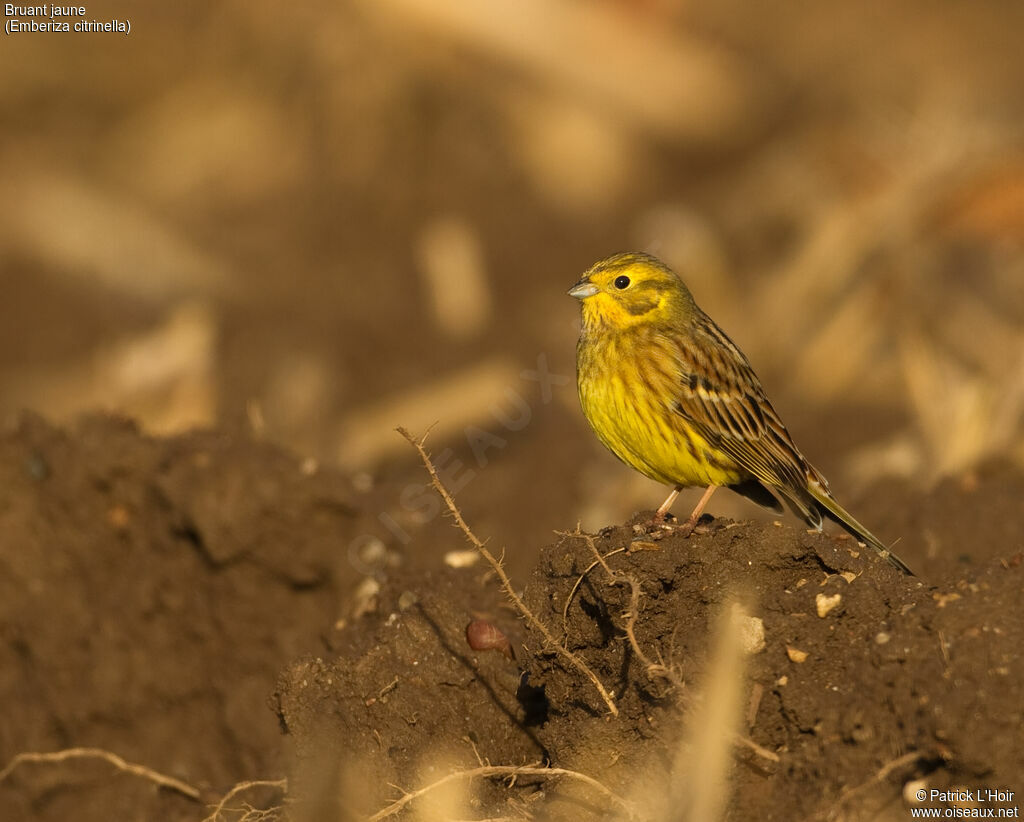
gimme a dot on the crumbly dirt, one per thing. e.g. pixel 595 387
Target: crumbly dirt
pixel 191 604
pixel 898 666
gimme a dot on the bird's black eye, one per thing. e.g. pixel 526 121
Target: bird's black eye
pixel 622 282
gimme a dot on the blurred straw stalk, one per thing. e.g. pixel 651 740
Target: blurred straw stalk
pixel 697 788
pixel 964 415
pixel 585 88
pixel 164 377
pixel 450 404
pixel 875 315
pixel 660 80
pixel 450 257
pixel 80 230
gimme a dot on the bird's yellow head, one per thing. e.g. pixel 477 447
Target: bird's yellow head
pixel 632 288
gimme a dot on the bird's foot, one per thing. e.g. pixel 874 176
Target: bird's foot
pixel 686 528
pixel 657 528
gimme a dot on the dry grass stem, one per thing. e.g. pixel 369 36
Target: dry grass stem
pixel 251 813
pixel 168 782
pixel 499 569
pixel 509 771
pixel 764 753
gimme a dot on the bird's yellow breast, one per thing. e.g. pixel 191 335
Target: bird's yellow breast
pixel 629 402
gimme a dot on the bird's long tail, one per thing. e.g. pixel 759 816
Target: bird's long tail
pixel 834 511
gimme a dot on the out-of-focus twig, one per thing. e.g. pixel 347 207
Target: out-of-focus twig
pixel 159 779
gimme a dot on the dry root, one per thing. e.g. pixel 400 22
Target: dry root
pixel 505 771
pixel 249 813
pixel 506 583
pixel 159 779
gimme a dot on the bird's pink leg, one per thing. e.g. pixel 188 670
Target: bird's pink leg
pixel 659 515
pixel 687 527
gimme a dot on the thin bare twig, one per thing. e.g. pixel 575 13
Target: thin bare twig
pixel 653 668
pixel 251 814
pixel 576 587
pixel 617 578
pixel 506 583
pixel 241 787
pixel 504 770
pixel 159 779
pixel 761 751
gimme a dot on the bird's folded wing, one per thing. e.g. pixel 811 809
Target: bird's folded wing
pixel 721 397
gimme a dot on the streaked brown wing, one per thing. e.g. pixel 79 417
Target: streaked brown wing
pixel 722 398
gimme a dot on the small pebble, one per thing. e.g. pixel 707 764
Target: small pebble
pixel 751 630
pixel 365 597
pixel 825 603
pixel 37 466
pixel 914 790
pixel 485 636
pixel 462 559
pixel 119 517
pixel 795 654
pixel 371 553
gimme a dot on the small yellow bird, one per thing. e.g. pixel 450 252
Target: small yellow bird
pixel 672 396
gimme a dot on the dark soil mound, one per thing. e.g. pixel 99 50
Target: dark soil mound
pixel 153 591
pixel 895 680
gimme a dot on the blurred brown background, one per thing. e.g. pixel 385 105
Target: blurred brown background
pixel 318 223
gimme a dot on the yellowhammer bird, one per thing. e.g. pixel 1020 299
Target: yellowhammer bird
pixel 672 396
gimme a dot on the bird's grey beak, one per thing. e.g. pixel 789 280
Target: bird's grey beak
pixel 583 289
